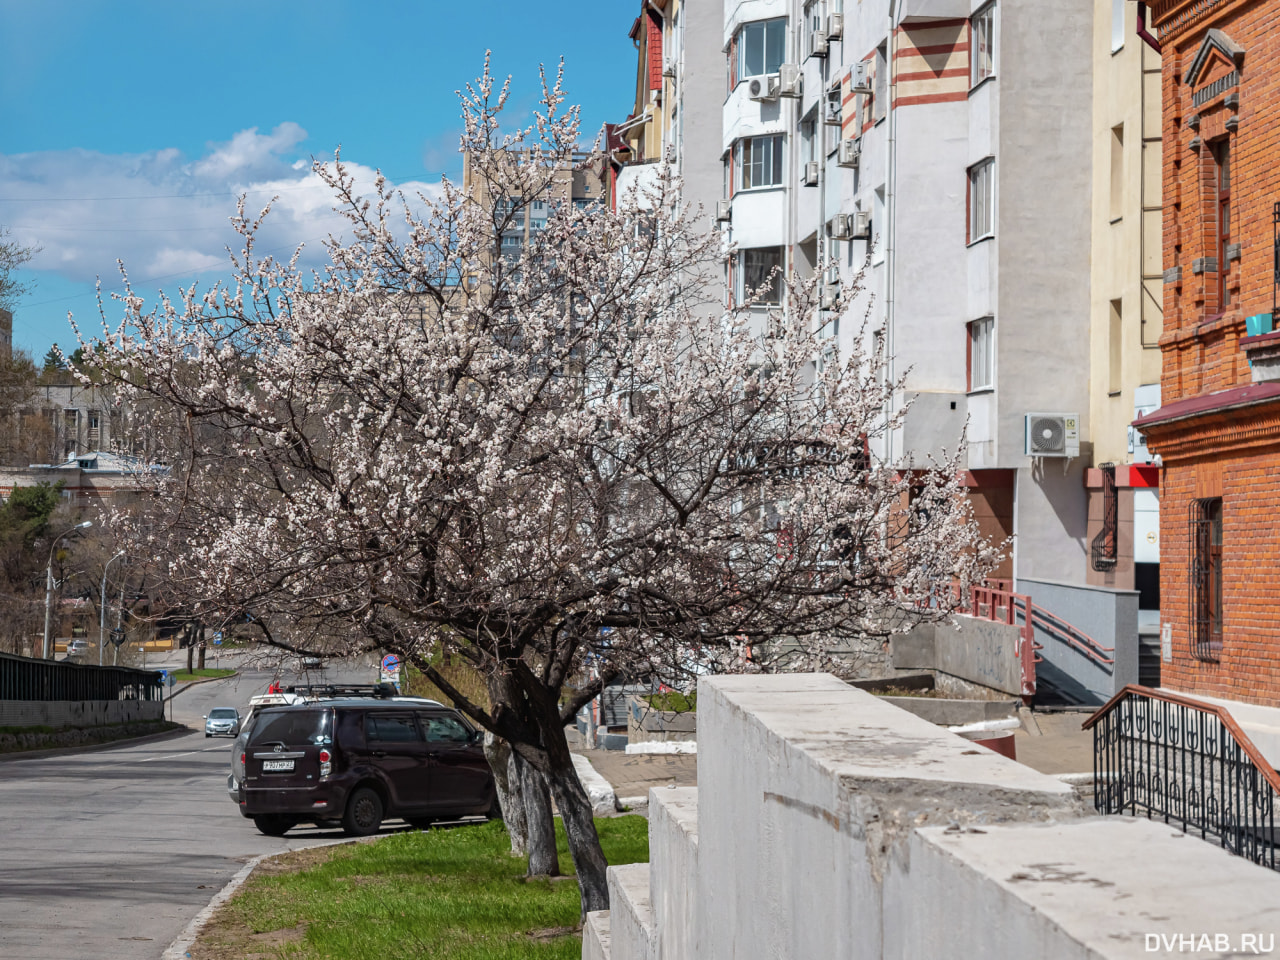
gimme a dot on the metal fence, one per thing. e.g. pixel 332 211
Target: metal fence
pixel 22 678
pixel 1188 763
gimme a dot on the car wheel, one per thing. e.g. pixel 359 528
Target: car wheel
pixel 273 825
pixel 364 813
pixel 419 823
pixel 207 735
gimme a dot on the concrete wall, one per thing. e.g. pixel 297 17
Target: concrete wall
pixel 77 713
pixel 979 651
pixel 827 823
pixel 1108 616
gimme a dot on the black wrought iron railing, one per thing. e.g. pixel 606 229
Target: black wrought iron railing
pixel 1188 763
pixel 1105 545
pixel 22 678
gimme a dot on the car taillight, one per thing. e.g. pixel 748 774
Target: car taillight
pixel 326 765
pixel 242 756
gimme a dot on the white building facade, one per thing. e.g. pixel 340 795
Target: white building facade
pixel 945 145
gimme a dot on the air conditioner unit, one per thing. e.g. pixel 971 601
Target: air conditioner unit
pixel 669 67
pixel 789 80
pixel 835 26
pixel 831 113
pixel 830 295
pixel 810 178
pixel 763 88
pixel 860 224
pixel 859 81
pixel 724 211
pixel 1052 435
pixel 819 44
pixel 850 153
pixel 840 227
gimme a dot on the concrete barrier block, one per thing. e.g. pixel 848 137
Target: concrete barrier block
pixel 673 871
pixel 807 788
pixel 630 913
pixel 595 936
pixel 1113 888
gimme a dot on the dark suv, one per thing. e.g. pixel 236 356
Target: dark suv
pixel 356 762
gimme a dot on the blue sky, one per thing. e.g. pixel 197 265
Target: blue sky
pixel 128 127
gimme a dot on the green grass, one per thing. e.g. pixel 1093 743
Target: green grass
pixel 673 700
pixel 186 676
pixel 443 893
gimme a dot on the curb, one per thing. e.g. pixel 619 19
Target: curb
pixel 195 683
pixel 599 791
pixel 179 949
pixel 10 755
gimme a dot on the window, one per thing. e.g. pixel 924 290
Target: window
pixel 381 728
pixel 758 267
pixel 1115 347
pixel 760 48
pixel 982 199
pixel 982 354
pixel 760 162
pixel 812 24
pixel 1117 172
pixel 538 215
pixel 93 419
pixel 880 98
pixel 1117 24
pixel 447 729
pixel 1222 159
pixel 1206 579
pixel 982 59
pixel 809 137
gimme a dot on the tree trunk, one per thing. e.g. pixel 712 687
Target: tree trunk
pixel 580 828
pixel 498 752
pixel 191 650
pixel 540 826
pixel 200 640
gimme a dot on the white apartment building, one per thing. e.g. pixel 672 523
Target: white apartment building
pixel 945 143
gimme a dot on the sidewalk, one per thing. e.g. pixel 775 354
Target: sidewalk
pixel 1053 742
pixel 631 775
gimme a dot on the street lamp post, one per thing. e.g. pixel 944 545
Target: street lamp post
pixel 48 584
pixel 102 607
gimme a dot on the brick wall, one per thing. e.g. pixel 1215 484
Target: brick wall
pixel 1249 664
pixel 1232 455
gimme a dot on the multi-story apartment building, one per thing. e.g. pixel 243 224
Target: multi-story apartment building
pixel 943 145
pixel 1218 428
pixel 1126 310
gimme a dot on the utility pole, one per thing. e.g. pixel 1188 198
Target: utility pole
pixel 48 585
pixel 102 608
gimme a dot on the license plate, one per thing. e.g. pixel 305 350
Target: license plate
pixel 276 766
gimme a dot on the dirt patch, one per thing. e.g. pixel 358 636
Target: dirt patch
pixel 553 933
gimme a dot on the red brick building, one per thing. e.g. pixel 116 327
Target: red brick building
pixel 1218 431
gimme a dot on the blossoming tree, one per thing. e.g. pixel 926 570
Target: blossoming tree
pixel 535 464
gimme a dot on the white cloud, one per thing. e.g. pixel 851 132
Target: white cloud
pixel 167 217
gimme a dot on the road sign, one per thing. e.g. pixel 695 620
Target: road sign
pixel 390 672
pixel 217 639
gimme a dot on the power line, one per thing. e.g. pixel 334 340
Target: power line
pixel 175 196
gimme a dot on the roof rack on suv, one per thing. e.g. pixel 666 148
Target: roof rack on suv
pixel 334 690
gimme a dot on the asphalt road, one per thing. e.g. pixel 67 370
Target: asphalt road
pixel 107 855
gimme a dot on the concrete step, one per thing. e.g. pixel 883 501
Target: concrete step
pixel 673 871
pixel 630 913
pixel 595 936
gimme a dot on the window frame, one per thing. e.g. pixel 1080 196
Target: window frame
pixel 740 277
pixel 1221 152
pixel 738 50
pixel 744 151
pixel 980 344
pixel 880 83
pixel 985 168
pixel 1206 581
pixel 982 21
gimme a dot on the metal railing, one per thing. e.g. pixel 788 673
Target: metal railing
pixel 1188 763
pixel 22 678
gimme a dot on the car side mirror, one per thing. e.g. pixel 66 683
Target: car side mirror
pixel 204 716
